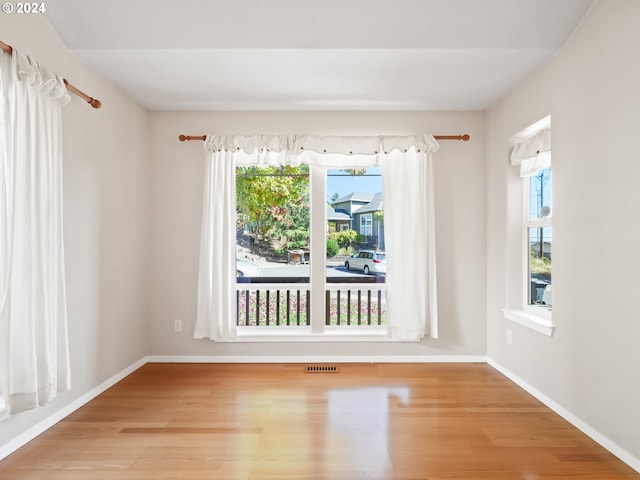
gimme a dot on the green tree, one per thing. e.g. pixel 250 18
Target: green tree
pixel 273 202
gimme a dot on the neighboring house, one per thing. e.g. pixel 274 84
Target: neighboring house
pixel 369 222
pixel 351 203
pixel 365 213
pixel 340 220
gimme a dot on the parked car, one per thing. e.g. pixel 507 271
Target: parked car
pixel 368 261
pixel 245 268
pixel 546 296
pixel 540 290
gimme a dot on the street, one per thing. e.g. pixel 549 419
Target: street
pixel 303 271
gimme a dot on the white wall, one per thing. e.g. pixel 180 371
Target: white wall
pixel 590 365
pixel 105 168
pixel 176 206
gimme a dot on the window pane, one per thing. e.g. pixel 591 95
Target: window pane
pixel 540 194
pixel 272 245
pixel 356 263
pixel 355 217
pixel 273 220
pixel 540 241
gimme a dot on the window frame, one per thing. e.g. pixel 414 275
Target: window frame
pixel 316 331
pixel 536 317
pixel 366 224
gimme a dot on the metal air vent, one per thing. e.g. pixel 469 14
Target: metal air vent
pixel 321 369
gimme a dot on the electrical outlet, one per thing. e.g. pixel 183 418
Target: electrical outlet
pixel 177 325
pixel 509 337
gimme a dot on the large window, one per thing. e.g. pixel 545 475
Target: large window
pixel 301 265
pixel 269 193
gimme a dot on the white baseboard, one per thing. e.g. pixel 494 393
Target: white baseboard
pixel 585 428
pixel 318 359
pixel 66 410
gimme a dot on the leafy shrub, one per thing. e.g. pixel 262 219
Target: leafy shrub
pixel 541 266
pixel 348 251
pixel 297 239
pixel 344 238
pixel 332 248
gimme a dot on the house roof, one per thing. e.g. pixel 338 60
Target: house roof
pixel 333 216
pixel 375 205
pixel 355 197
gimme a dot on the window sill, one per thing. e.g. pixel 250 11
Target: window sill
pixel 539 323
pixel 297 334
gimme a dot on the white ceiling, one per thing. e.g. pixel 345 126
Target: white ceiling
pixel 316 54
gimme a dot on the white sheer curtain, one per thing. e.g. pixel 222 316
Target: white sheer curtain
pixel 409 220
pixel 217 273
pixel 409 217
pixel 34 363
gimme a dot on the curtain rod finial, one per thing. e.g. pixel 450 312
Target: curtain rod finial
pixel 184 138
pixel 95 103
pixel 465 137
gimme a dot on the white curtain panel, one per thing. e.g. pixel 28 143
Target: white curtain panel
pixel 408 209
pixel 34 363
pixel 217 272
pixel 409 216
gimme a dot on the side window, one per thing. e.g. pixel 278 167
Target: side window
pixel 539 234
pixel 529 222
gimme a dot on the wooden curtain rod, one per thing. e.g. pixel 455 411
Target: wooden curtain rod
pixel 464 138
pixel 94 102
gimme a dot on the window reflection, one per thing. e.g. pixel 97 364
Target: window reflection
pixel 358 424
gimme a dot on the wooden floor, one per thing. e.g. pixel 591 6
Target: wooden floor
pixel 388 421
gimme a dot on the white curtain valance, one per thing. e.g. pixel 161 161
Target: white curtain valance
pixel 37 76
pixel 294 149
pixel 533 153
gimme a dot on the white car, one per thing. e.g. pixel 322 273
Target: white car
pixel 368 261
pixel 245 268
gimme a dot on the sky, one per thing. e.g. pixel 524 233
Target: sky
pixel 344 184
pixel 539 192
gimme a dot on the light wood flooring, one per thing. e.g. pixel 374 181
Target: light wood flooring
pixel 367 421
